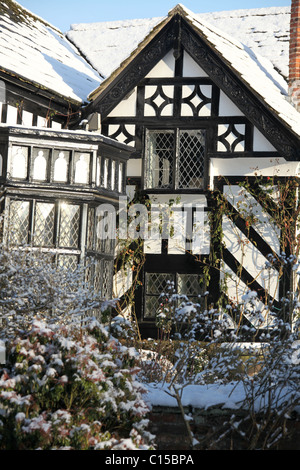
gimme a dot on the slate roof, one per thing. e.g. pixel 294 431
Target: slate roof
pixel 39 53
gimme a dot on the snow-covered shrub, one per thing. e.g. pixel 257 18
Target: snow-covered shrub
pixel 32 284
pixel 71 387
pixel 69 381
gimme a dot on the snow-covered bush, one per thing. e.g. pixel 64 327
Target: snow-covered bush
pixel 267 368
pixel 69 381
pixel 71 387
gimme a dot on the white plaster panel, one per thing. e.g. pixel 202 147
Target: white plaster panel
pixel 12 113
pixel 253 167
pixel 247 206
pixel 227 107
pixel 134 167
pixel 165 68
pixel 260 143
pixel 191 68
pixel 249 257
pixel 127 107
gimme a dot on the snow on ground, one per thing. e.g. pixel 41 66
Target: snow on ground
pixel 197 396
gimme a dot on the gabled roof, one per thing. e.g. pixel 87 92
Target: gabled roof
pixel 36 52
pixel 256 73
pixel 264 30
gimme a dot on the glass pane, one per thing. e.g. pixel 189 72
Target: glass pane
pixel 191 159
pixel 158 283
pixel 160 159
pixel 19 162
pixel 107 279
pixel 97 276
pixel 152 305
pixel 106 232
pixel 69 262
pixel 90 228
pixel 61 166
pixel 18 222
pixel 69 225
pixel 40 161
pixel 82 168
pixel 189 285
pixel 44 224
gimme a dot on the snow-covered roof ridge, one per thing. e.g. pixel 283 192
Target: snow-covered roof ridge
pixel 257 73
pixel 265 30
pixel 40 54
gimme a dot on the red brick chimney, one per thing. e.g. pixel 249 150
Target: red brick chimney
pixel 294 55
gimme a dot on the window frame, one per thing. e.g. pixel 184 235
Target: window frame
pixel 175 275
pixel 175 187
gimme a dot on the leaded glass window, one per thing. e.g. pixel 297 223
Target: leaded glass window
pixel 69 262
pixel 175 159
pixel 160 285
pixel 44 218
pixel 107 278
pixel 160 159
pixel 191 159
pixel 69 225
pixel 19 222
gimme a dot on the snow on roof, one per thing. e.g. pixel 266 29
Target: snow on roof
pixel 265 30
pixel 257 72
pixel 39 53
pixel 239 37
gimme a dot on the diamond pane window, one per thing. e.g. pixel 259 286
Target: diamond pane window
pixel 69 262
pixel 69 225
pixel 19 162
pixel 19 222
pixel 158 284
pixel 175 159
pixel 43 234
pixel 90 228
pixel 98 276
pixel 189 285
pixel 107 278
pixel 191 159
pixel 160 159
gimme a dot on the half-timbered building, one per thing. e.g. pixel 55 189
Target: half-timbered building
pixel 197 111
pixel 203 113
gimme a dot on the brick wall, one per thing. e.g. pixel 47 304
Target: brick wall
pixel 294 54
pixel 167 424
